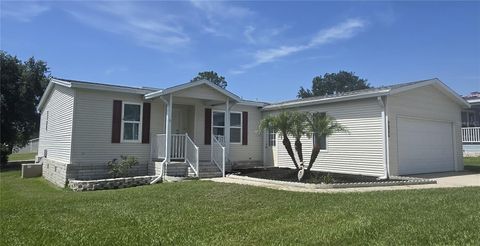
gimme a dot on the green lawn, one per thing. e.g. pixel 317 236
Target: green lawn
pixel 21 156
pixel 472 163
pixel 206 213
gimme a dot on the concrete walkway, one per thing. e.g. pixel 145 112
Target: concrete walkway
pixel 444 180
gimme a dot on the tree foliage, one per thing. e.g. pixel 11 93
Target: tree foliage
pixel 212 77
pixel 21 85
pixel 283 123
pixel 320 124
pixel 333 83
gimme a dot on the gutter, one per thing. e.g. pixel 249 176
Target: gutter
pixel 383 105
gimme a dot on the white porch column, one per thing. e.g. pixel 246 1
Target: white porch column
pixel 227 129
pixel 168 129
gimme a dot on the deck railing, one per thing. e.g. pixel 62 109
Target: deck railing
pixel 191 154
pixel 471 134
pixel 218 154
pixel 182 148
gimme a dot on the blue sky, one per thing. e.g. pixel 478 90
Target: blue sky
pixel 266 50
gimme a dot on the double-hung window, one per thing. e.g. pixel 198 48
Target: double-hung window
pixel 131 122
pixel 218 126
pixel 272 140
pixel 323 142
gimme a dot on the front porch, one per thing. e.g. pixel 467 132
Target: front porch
pixel 188 145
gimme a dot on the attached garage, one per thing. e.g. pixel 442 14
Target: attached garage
pixel 402 129
pixel 425 146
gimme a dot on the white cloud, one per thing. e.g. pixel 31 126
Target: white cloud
pixel 23 11
pixel 149 28
pixel 342 31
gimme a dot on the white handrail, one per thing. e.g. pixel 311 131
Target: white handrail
pixel 191 154
pixel 218 154
pixel 471 134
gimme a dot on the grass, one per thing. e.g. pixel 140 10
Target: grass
pixel 207 213
pixel 21 156
pixel 472 163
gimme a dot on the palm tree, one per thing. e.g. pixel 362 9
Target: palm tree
pixel 320 125
pixel 299 129
pixel 283 123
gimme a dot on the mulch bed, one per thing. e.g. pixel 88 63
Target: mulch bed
pixel 315 177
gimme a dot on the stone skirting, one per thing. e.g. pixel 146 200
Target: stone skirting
pixel 55 171
pixel 105 184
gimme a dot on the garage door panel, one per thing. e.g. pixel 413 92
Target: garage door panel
pixel 424 146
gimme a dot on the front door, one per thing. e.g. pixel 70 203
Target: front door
pixel 270 148
pixel 182 119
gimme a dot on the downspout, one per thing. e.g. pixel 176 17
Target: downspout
pixel 162 164
pixel 383 105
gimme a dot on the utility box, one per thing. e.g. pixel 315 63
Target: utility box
pixel 31 170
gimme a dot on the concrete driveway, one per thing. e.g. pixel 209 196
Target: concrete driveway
pixel 444 180
pixel 453 179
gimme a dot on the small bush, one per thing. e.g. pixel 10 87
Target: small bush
pixel 120 169
pixel 327 179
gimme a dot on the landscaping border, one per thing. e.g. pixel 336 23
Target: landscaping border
pixel 105 184
pixel 403 181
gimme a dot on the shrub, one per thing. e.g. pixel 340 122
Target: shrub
pixel 120 169
pixel 327 179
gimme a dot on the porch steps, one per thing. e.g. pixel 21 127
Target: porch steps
pixel 206 170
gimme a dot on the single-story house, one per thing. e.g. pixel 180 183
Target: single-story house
pixel 471 126
pixel 200 129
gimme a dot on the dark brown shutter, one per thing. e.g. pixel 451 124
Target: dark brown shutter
pixel 244 128
pixel 146 123
pixel 208 126
pixel 116 121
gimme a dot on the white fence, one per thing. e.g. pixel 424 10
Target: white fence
pixel 30 147
pixel 471 135
pixel 191 154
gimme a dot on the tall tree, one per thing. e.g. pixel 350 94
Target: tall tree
pixel 21 85
pixel 333 83
pixel 212 77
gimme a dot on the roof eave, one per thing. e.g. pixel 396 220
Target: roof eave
pixel 325 100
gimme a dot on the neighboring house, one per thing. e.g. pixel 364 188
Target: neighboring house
pixel 203 130
pixel 30 147
pixel 471 126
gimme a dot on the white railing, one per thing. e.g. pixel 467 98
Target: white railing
pixel 218 154
pixel 191 154
pixel 177 149
pixel 220 139
pixel 471 134
pixel 178 146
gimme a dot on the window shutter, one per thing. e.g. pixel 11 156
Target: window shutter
pixel 208 126
pixel 244 128
pixel 146 123
pixel 116 121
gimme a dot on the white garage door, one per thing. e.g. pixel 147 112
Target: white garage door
pixel 424 146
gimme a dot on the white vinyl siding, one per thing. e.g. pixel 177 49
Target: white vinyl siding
pixel 358 152
pixel 56 121
pixel 424 103
pixel 93 128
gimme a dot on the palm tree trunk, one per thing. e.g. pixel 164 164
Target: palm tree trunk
pixel 298 148
pixel 288 147
pixel 315 152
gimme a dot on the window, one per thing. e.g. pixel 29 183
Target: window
pixel 218 126
pixel 131 122
pixel 272 140
pixel 323 142
pixel 46 122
